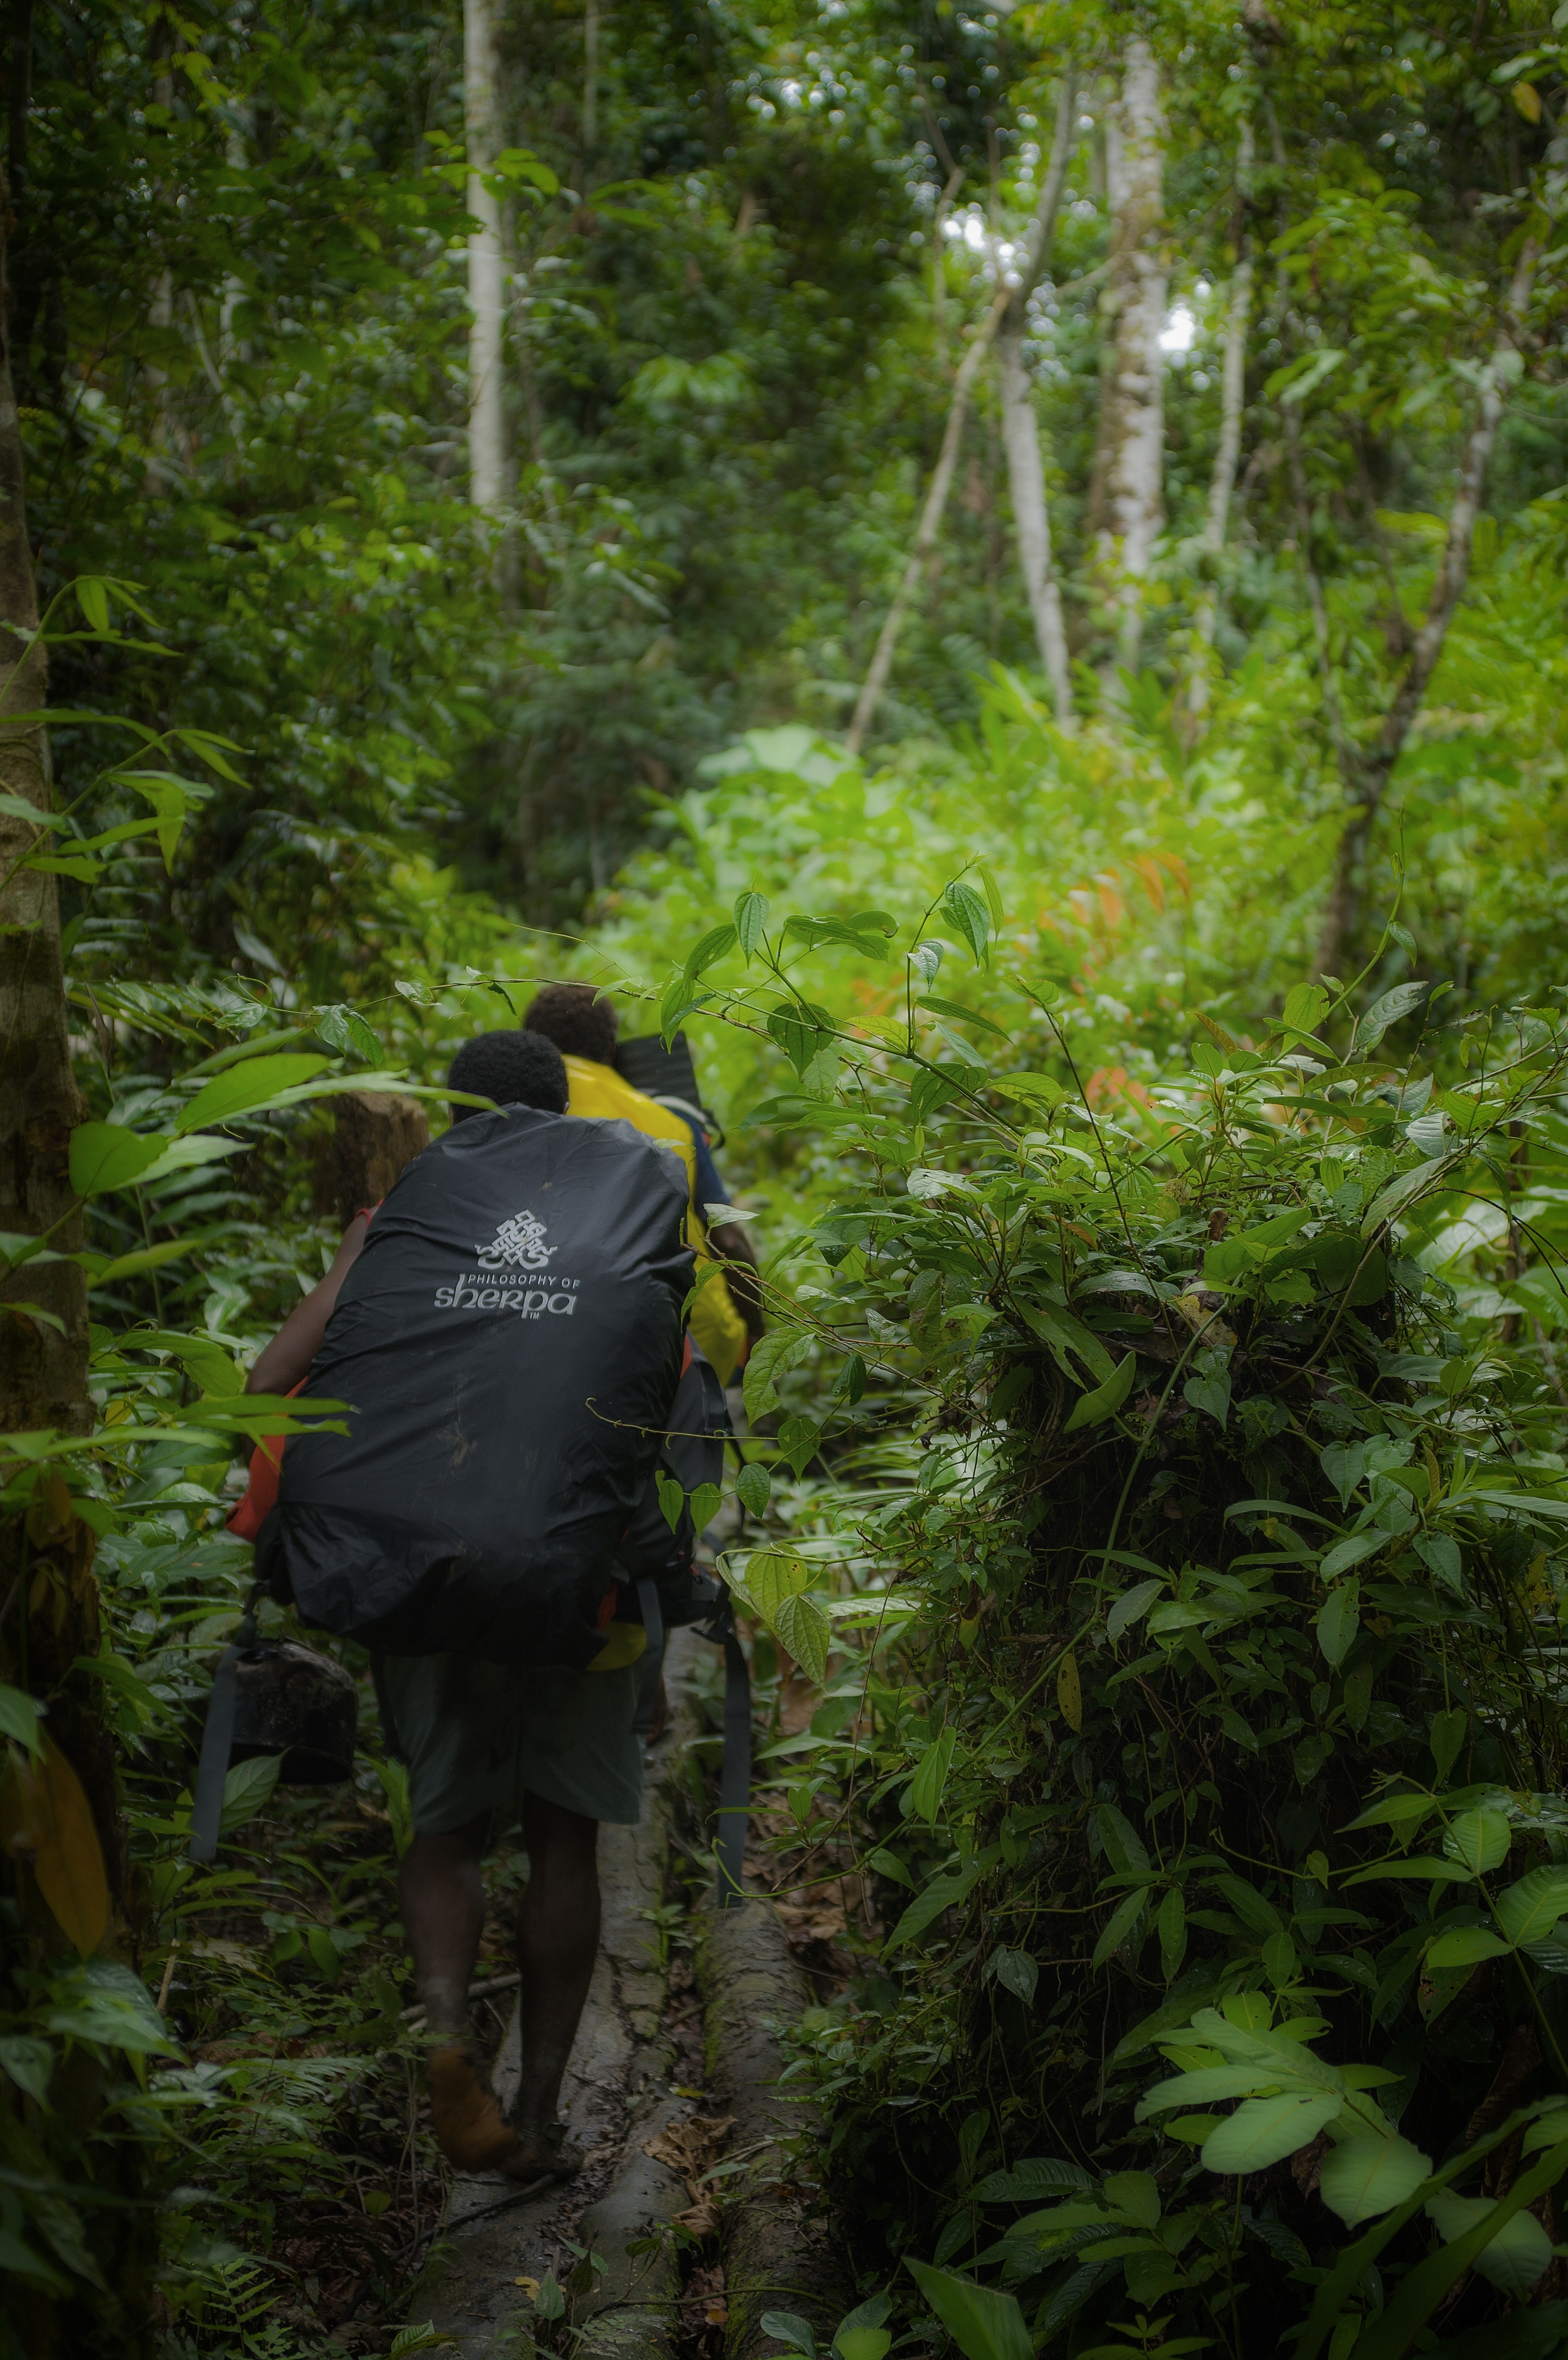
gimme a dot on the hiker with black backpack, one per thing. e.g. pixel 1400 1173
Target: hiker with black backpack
pixel 507 1326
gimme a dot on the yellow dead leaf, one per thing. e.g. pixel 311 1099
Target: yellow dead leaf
pixel 1527 98
pixel 1069 1692
pixel 44 1811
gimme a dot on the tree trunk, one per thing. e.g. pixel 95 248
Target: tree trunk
pixel 1222 482
pixel 43 1368
pixel 1369 782
pixel 590 79
pixel 48 1594
pixel 1025 473
pixel 1132 424
pixel 1037 247
pixel 486 263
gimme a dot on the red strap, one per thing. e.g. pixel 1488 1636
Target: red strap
pixel 262 1492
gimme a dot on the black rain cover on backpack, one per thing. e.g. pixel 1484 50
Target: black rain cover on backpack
pixel 509 1340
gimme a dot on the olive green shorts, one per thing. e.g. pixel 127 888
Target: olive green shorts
pixel 479 1736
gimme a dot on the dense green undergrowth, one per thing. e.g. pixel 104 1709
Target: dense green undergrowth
pixel 1164 1430
pixel 1205 1447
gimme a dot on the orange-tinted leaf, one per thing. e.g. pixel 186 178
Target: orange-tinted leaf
pixel 44 1810
pixel 1069 1692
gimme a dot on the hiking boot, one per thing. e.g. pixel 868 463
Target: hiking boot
pixel 550 2151
pixel 473 2133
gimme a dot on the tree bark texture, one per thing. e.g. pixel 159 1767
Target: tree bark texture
pixel 1132 424
pixel 487 261
pixel 1020 434
pixel 43 1369
pixel 49 1593
pixel 375 1135
pixel 1366 775
pixel 1037 249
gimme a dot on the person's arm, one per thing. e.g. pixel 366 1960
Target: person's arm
pixel 286 1362
pixel 730 1244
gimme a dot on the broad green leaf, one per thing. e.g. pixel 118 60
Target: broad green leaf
pixel 1171 1927
pixel 1350 1552
pixel 1480 1839
pixel 964 906
pixel 1419 1864
pixel 1035 1088
pixel 1208 2084
pixel 772 1575
pixel 1304 1007
pixel 19 1716
pixel 1026 2183
pixel 1130 1607
pixel 672 1499
pixel 1513 2259
pixel 803 1629
pixel 1093 1409
pixel 105 1155
pixel 929 1783
pixel 1393 1811
pixel 1527 1911
pixel 1365 2176
pixel 941 1893
pixel 799 1439
pixel 778 1350
pixel 343 1027
pixel 754 1487
pixel 244 1088
pixel 984 2323
pixel 1265 2130
pixel 93 597
pixel 1016 1971
pixel 714 945
pixel 862 2343
pixel 1339 1620
pixel 1449 1731
pixel 751 917
pixel 1388 1011
pixel 1123 1920
pixel 788 2327
pixel 1466 1946
pixel 248 1789
pixel 184 1154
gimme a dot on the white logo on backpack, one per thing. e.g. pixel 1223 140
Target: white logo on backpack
pixel 519 1243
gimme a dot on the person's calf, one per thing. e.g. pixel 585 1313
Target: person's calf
pixel 443 1894
pixel 557 1941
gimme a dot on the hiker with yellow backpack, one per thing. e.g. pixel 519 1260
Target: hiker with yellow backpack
pixel 726 1317
pixel 507 1327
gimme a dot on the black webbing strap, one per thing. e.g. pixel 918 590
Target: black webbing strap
pixel 652 1655
pixel 217 1740
pixel 735 1778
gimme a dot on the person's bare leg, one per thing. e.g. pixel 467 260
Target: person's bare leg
pixel 557 1941
pixel 443 1893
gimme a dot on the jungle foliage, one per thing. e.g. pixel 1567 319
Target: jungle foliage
pixel 1158 1464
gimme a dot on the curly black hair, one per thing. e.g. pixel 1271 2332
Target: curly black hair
pixel 578 1018
pixel 514 1069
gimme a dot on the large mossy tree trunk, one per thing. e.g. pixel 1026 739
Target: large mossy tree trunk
pixel 48 1592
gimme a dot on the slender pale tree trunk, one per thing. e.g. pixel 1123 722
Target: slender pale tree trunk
pixel 1232 389
pixel 590 77
pixel 1132 426
pixel 487 261
pixel 1366 778
pixel 1020 434
pixel 1037 246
